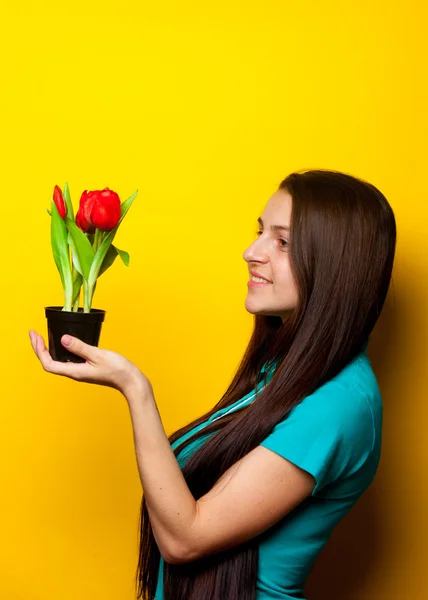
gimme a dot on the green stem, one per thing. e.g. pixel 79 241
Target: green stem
pixel 87 298
pixel 68 290
pixel 88 290
pixel 76 304
pixel 76 277
pixel 97 239
pixel 73 275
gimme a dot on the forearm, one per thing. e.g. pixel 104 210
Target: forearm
pixel 170 504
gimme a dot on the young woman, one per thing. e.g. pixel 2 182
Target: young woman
pixel 239 503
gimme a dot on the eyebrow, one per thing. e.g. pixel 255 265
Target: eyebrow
pixel 274 227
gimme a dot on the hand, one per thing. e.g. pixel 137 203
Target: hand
pixel 102 367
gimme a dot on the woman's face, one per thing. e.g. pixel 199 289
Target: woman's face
pixel 268 256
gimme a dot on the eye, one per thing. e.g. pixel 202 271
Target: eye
pixel 284 243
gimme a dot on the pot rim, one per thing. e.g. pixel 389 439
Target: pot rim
pixel 72 312
pixel 56 314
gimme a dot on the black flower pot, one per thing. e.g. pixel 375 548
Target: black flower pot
pixel 85 326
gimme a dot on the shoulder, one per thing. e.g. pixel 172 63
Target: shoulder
pixel 352 397
pixel 335 431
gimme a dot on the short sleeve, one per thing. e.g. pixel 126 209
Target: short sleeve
pixel 330 434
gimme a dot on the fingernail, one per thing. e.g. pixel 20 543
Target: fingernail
pixel 67 340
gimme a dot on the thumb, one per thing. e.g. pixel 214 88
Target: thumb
pixel 77 346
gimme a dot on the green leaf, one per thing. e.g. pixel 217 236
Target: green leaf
pixel 61 253
pixel 74 256
pixel 77 284
pixel 110 257
pixel 67 199
pixel 123 255
pixel 49 212
pixel 82 249
pixel 107 241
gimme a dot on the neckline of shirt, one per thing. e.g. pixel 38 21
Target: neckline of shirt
pixel 248 397
pixel 268 366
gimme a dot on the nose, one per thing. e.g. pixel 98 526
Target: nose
pixel 255 252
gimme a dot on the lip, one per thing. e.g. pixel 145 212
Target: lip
pixel 255 274
pixel 258 284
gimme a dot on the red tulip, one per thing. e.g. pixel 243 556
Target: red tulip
pixel 59 202
pixel 98 209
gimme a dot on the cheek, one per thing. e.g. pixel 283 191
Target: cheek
pixel 283 275
pixel 285 282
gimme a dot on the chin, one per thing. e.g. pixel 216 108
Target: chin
pixel 283 314
pixel 261 311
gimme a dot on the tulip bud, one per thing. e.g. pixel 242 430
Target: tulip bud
pixel 98 209
pixel 59 202
pixel 83 216
pixel 105 212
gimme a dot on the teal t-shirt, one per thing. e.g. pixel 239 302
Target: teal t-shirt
pixel 334 434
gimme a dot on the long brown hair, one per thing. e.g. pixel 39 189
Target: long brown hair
pixel 342 251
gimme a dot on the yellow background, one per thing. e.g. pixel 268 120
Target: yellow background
pixel 204 108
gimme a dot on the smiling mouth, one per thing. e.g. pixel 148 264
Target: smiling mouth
pixel 259 278
pixel 252 283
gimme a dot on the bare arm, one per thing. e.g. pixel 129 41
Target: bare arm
pixel 170 503
pixel 255 493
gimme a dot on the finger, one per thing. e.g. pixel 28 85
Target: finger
pixel 31 334
pixel 52 366
pixel 78 347
pixel 34 337
pixel 44 356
